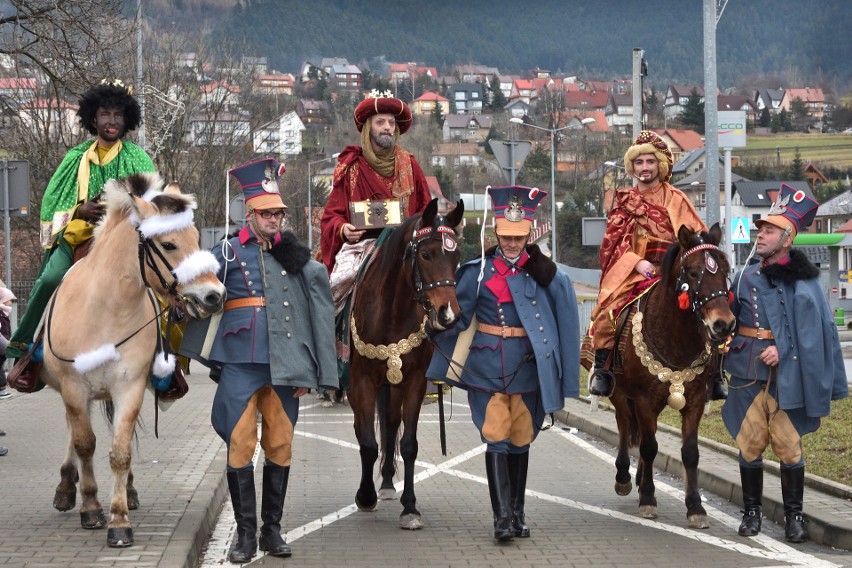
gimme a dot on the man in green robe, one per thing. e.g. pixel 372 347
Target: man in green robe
pixel 71 206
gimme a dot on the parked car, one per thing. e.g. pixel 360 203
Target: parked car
pixel 847 131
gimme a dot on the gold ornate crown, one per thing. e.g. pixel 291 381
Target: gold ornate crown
pixel 118 83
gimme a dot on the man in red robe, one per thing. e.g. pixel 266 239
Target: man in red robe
pixel 377 169
pixel 640 228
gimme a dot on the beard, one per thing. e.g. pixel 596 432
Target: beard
pixel 385 141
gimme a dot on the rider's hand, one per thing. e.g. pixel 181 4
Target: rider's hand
pixel 645 268
pixel 769 356
pixel 350 233
pixel 91 211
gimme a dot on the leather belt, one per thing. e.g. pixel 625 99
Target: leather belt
pixel 755 332
pixel 501 330
pixel 245 303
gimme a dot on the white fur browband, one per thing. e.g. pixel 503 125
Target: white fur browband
pixel 162 224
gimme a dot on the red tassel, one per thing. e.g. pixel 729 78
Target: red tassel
pixel 730 297
pixel 683 301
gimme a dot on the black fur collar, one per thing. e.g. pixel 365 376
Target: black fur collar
pixel 540 267
pixel 799 268
pixel 290 253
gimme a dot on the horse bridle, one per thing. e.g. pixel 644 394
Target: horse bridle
pixel 448 236
pixel 710 263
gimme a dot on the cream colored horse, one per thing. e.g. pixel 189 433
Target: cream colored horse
pixel 101 330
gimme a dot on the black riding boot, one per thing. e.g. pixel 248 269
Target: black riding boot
pixel 241 486
pixel 497 469
pixel 752 480
pixel 792 493
pixel 275 478
pixel 518 465
pixel 601 381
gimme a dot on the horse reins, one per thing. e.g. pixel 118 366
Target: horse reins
pixel 709 262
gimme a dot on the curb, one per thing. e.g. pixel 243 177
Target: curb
pixel 824 528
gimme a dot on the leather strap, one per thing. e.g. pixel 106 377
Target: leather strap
pixel 501 330
pixel 245 303
pixel 755 332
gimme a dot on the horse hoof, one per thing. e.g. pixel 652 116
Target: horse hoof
pixel 410 521
pixel 132 500
pixel 120 538
pixel 387 494
pixel 92 520
pixel 623 488
pixel 648 511
pixel 698 521
pixel 64 501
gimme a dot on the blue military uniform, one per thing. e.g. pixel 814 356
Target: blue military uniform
pixel 781 304
pixel 276 335
pixel 523 359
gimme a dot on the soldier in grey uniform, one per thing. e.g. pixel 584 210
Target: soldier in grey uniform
pixel 274 344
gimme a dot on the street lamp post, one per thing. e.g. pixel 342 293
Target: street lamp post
pixel 552 132
pixel 310 203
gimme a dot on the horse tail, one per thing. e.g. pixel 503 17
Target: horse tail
pixel 388 450
pixel 108 408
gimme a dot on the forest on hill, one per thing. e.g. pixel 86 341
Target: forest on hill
pixel 801 41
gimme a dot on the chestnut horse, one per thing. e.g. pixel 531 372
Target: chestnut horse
pixel 412 279
pixel 101 331
pixel 668 359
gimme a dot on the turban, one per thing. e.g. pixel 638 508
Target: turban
pixel 373 105
pixel 650 143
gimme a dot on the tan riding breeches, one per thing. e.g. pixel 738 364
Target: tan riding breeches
pixel 276 437
pixel 765 424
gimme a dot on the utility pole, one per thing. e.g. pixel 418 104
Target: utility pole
pixel 711 121
pixel 139 72
pixel 640 70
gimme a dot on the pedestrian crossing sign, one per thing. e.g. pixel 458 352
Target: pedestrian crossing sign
pixel 740 230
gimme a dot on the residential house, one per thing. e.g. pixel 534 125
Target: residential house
pixel 689 162
pixel 834 215
pixel 468 97
pixel 58 117
pixel 274 84
pixel 506 82
pixel 814 175
pixel 586 101
pixel 456 154
pixel 220 95
pixel 517 108
pixel 676 98
pixel 768 98
pixel 405 71
pixel 475 73
pixel 347 76
pixel 694 186
pixel 467 127
pixel 310 71
pixel 757 196
pixel 814 101
pixel 206 128
pixel 426 103
pixel 602 86
pixel 281 136
pixel 312 113
pixel 524 90
pixel 444 204
pixel 739 102
pixel 619 112
pixel 680 140
pixel 257 65
pixel 18 89
pixel 540 73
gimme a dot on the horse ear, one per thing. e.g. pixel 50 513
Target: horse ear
pixel 685 235
pixel 429 213
pixel 141 208
pixel 716 233
pixel 455 216
pixel 172 187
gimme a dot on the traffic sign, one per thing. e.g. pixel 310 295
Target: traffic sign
pixel 740 230
pixel 510 154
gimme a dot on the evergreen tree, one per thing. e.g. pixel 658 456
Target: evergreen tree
pixel 692 115
pixel 438 114
pixel 798 108
pixel 492 133
pixel 765 117
pixel 498 99
pixel 775 123
pixel 797 168
pixel 652 108
pixel 784 118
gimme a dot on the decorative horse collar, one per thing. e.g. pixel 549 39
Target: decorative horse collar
pixel 392 352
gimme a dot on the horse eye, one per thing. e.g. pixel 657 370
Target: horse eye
pixel 694 273
pixel 167 246
pixel 425 255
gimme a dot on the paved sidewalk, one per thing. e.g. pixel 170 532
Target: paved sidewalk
pixel 179 478
pixel 828 505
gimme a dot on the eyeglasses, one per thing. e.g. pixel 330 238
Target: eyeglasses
pixel 271 214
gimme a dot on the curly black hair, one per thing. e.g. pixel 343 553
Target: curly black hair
pixel 109 96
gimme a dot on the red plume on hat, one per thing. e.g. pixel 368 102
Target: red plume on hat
pixel 383 103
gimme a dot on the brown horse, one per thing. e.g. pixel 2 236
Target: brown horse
pixel 101 331
pixel 411 280
pixel 678 324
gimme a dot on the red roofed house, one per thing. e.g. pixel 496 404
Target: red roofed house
pixel 59 117
pixel 680 140
pixel 586 101
pixel 221 95
pixel 814 100
pixel 426 103
pixel 278 84
pixel 18 89
pixel 676 97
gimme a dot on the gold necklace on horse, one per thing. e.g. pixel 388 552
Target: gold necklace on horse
pixel 392 352
pixel 677 378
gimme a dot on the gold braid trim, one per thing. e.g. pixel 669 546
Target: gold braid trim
pixel 391 352
pixel 676 399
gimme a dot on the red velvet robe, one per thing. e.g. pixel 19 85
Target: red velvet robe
pixel 355 180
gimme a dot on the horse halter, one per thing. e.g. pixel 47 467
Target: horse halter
pixel 438 230
pixel 710 265
pixel 146 248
